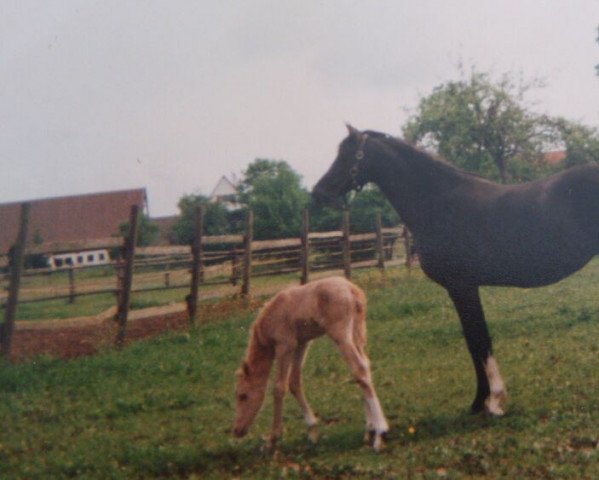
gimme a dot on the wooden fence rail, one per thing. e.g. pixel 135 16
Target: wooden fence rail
pixel 211 260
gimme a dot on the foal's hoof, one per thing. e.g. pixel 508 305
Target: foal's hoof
pixel 270 445
pixel 376 440
pixel 313 434
pixel 379 442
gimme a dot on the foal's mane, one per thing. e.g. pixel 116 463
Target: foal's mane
pixel 257 336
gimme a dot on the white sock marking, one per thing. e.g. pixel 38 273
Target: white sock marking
pixel 498 395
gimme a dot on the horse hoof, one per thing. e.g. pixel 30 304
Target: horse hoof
pixel 494 407
pixel 478 406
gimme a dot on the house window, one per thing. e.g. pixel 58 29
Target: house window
pixel 80 259
pixel 69 261
pixel 90 258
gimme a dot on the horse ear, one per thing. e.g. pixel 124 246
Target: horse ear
pixel 353 132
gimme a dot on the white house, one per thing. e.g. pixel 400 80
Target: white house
pixel 225 192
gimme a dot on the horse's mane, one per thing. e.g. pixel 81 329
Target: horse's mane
pixel 419 156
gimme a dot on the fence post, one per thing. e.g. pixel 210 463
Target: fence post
pixel 234 267
pixel 346 245
pixel 247 253
pixel 196 272
pixel 127 279
pixel 18 256
pixel 407 247
pixel 71 285
pixel 379 243
pixel 305 248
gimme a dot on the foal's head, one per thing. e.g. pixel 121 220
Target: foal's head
pixel 249 398
pixel 345 174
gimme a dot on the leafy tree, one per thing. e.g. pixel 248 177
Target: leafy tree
pixel 260 168
pixel 216 218
pixel 366 205
pixel 580 142
pixel 272 190
pixel 363 208
pixel 480 124
pixel 147 231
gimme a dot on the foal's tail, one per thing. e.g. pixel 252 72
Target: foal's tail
pixel 359 317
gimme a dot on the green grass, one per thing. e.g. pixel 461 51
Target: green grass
pixel 163 408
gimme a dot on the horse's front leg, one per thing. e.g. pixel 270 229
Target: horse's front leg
pixel 284 358
pixel 490 393
pixel 297 390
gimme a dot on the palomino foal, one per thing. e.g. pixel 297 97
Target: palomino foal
pixel 287 323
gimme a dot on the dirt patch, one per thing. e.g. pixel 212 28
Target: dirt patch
pixel 74 339
pixel 77 337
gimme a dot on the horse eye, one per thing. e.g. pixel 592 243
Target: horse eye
pixel 242 397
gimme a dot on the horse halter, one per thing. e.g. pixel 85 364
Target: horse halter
pixel 359 155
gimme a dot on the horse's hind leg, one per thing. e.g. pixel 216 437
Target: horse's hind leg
pixel 360 368
pixel 490 392
pixel 296 388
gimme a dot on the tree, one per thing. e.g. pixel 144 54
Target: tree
pixel 363 208
pixel 147 231
pixel 216 218
pixel 272 190
pixel 366 205
pixel 260 168
pixel 580 142
pixel 480 124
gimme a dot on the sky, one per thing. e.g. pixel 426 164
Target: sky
pixel 171 95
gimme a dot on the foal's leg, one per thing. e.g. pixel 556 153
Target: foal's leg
pixel 491 392
pixel 284 359
pixel 360 368
pixel 296 388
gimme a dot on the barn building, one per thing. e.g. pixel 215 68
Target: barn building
pixel 72 223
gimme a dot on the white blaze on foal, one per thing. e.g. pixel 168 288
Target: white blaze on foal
pixel 332 306
pixel 498 396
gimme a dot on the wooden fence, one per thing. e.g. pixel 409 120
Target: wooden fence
pixel 210 261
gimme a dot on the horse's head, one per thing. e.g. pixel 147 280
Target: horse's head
pixel 249 398
pixel 345 174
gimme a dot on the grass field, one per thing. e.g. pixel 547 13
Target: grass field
pixel 164 408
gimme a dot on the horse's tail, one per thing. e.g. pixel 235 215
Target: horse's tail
pixel 359 316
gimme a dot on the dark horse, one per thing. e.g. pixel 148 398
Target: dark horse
pixel 471 232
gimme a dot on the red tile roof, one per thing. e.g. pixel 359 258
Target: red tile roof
pixel 95 216
pixel 554 157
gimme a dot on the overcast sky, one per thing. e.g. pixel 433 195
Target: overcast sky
pixel 170 95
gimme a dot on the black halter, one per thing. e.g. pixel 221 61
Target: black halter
pixel 359 157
